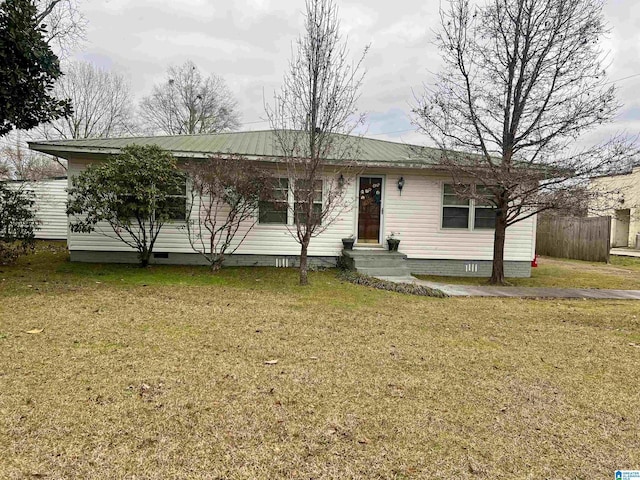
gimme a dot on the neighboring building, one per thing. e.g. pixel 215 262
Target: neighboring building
pixel 622 202
pixel 439 234
pixel 50 204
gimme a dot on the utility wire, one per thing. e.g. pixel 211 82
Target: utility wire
pixel 412 129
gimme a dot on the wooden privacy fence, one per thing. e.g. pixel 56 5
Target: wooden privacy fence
pixel 577 238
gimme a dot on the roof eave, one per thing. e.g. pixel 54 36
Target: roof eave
pixel 67 151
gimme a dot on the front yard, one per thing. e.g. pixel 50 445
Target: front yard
pixel 168 372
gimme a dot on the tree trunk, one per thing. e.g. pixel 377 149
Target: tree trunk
pixel 304 280
pixel 497 273
pixel 145 254
pixel 216 265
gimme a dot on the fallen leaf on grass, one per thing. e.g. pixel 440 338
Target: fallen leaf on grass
pixel 36 330
pixel 271 362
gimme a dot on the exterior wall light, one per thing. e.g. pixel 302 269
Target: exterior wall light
pixel 401 184
pixel 341 181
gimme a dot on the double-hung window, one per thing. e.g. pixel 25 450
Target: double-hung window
pixel 303 192
pixel 177 202
pixel 484 216
pixel 174 202
pixel 455 210
pixel 464 213
pixel 276 210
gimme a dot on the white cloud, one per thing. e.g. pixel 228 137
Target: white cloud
pixel 248 42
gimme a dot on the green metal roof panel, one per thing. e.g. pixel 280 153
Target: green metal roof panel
pixel 252 144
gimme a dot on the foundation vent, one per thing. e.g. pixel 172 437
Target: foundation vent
pixel 282 262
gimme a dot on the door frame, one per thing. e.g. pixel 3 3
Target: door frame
pixel 383 177
pixel 621 225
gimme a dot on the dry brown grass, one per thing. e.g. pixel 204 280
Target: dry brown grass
pixel 171 382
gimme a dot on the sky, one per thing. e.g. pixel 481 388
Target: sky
pixel 249 42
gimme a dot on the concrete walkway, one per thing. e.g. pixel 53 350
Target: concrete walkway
pixel 519 292
pixel 625 252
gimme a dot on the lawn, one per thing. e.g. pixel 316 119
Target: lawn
pixel 168 372
pixel 622 273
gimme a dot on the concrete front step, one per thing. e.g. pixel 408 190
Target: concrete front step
pixel 401 271
pixel 378 262
pixel 373 253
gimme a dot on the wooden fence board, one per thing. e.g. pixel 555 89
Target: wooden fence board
pixel 577 238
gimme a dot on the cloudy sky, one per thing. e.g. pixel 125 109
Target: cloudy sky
pixel 248 43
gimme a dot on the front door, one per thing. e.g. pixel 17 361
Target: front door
pixel 621 232
pixel 369 209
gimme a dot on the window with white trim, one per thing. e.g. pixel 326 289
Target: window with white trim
pixel 464 213
pixel 177 203
pixel 276 210
pixel 174 203
pixel 302 191
pixel 455 210
pixel 484 212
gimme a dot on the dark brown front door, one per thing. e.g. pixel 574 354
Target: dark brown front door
pixel 369 209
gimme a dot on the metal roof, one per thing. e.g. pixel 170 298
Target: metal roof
pixel 260 145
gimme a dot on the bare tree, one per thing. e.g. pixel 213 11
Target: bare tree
pixel 64 23
pixel 523 79
pixel 312 117
pixel 225 195
pixel 188 103
pixel 5 173
pixel 102 104
pixel 20 163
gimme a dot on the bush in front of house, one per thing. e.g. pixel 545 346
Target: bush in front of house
pixel 129 198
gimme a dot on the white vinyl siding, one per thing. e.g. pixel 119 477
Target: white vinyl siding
pixel 416 215
pixel 263 239
pixel 50 206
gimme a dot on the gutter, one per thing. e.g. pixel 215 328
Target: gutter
pixel 66 151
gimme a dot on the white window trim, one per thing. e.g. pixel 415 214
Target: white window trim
pixel 274 224
pixel 472 210
pixel 290 205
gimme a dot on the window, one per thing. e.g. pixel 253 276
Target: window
pixel 455 210
pixel 130 206
pixel 302 191
pixel 276 211
pixel 484 211
pixel 459 212
pixel 177 203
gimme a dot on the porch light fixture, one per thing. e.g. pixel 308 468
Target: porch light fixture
pixel 400 184
pixel 341 181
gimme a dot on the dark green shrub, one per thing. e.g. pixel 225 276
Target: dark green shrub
pixel 17 223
